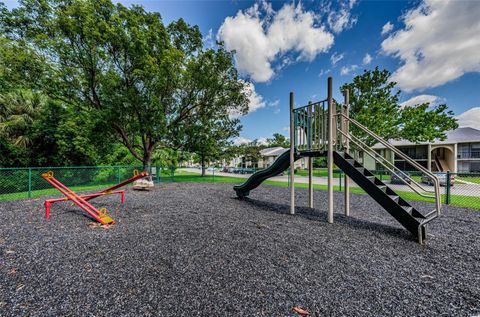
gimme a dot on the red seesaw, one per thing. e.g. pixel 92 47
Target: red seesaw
pixel 82 201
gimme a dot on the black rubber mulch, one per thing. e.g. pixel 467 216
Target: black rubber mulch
pixel 195 250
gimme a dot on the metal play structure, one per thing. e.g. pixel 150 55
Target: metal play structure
pixel 324 128
pixel 99 215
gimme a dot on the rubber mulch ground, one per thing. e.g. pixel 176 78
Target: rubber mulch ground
pixel 195 250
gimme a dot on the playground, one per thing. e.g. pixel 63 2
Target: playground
pixel 196 249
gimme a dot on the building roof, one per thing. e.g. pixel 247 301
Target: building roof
pixel 273 151
pixel 460 135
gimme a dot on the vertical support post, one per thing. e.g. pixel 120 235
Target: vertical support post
pixel 347 149
pixel 47 205
pixel 292 157
pixel 429 157
pixel 340 180
pixel 447 188
pixel 330 151
pixel 118 175
pixel 455 155
pixel 29 182
pixel 310 159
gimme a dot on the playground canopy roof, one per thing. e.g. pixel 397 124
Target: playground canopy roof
pixel 460 135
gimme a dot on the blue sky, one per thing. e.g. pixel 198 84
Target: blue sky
pixel 431 47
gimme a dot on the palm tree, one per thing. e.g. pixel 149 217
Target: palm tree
pixel 18 111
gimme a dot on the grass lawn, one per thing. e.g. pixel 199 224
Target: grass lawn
pixel 456 200
pixel 318 172
pixel 470 179
pixel 189 177
pixel 50 192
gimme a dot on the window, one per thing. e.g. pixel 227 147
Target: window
pixel 475 167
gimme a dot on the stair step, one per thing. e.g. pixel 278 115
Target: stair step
pixel 383 188
pixel 371 178
pixel 350 161
pixel 408 209
pixel 361 169
pixel 394 197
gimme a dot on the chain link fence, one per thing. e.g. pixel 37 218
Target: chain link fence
pixel 22 183
pixel 459 189
pixel 17 183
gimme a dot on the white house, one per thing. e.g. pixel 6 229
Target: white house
pixel 268 156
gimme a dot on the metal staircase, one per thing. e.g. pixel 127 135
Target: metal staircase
pixel 323 129
pixel 400 209
pixel 411 218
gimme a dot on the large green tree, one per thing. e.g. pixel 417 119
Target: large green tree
pixel 374 102
pixel 18 110
pixel 210 139
pixel 278 140
pixel 124 67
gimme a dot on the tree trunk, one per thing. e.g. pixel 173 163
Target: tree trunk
pixel 147 162
pixel 203 165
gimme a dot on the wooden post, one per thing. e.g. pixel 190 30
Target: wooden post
pixel 347 149
pixel 310 159
pixel 292 157
pixel 330 151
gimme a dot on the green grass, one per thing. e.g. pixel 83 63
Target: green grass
pixel 322 172
pixel 189 177
pixel 470 179
pixel 50 192
pixel 456 200
pixel 318 172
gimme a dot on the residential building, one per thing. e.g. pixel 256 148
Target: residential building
pixel 267 157
pixel 459 152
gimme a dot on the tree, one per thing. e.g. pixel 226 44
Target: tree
pixel 251 152
pixel 18 110
pixel 143 80
pixel 278 140
pixel 210 139
pixel 374 103
pixel 20 66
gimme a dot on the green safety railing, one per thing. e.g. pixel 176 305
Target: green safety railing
pixel 310 126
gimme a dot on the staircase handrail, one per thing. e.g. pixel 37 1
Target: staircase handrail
pixel 412 162
pixel 375 156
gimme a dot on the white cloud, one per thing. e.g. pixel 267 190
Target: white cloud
pixel 342 19
pixel 261 37
pixel 439 43
pixel 209 39
pixel 241 140
pixel 323 72
pixel 470 118
pixel 421 99
pixel 335 58
pixel 262 141
pixel 255 100
pixel 387 28
pixel 348 69
pixel 367 59
pixel 275 103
